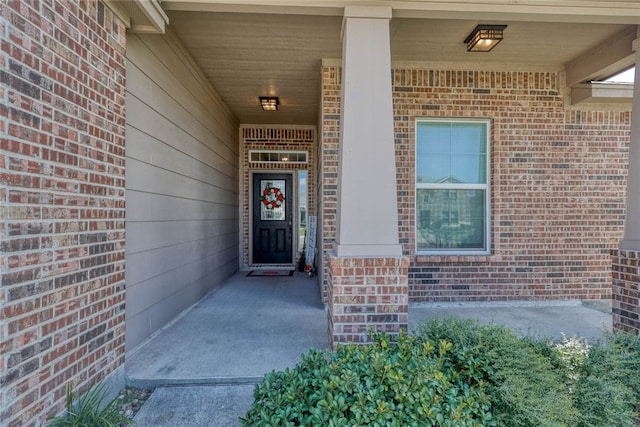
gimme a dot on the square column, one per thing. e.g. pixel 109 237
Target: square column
pixel 626 291
pixel 367 274
pixel 631 240
pixel 626 269
pixel 367 215
pixel 366 294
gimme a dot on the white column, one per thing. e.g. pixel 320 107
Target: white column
pixel 367 217
pixel 631 240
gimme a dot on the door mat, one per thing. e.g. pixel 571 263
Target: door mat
pixel 271 273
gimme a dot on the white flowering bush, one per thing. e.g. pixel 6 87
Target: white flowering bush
pixel 572 352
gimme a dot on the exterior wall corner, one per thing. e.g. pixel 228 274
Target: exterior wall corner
pixel 63 203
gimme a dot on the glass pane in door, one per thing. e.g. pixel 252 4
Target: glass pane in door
pixel 272 196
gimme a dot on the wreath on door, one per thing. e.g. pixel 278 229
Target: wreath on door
pixel 272 197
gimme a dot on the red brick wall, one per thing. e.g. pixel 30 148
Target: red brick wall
pixel 62 121
pixel 626 290
pixel 558 184
pixel 365 295
pixel 328 168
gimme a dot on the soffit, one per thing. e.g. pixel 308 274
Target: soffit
pixel 247 55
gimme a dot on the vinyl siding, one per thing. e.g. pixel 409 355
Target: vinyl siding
pixel 182 185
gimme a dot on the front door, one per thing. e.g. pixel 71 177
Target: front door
pixel 272 219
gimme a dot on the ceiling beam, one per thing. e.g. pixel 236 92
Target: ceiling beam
pixel 610 57
pixel 602 93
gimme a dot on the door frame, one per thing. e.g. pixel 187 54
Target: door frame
pixel 294 204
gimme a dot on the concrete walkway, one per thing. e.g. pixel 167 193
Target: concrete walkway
pixel 587 319
pixel 206 363
pixel 237 333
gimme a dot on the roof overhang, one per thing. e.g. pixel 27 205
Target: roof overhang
pixel 576 11
pixel 140 16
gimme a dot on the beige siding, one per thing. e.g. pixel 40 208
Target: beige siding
pixel 182 185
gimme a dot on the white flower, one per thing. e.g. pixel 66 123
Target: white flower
pixel 572 352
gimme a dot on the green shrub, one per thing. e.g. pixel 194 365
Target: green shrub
pixel 604 403
pixel 456 372
pixel 384 384
pixel 610 374
pixel 619 358
pixel 525 385
pixel 91 410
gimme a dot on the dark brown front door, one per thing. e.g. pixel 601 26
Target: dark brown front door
pixel 272 219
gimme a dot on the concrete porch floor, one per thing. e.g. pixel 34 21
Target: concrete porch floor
pixel 206 363
pixel 238 332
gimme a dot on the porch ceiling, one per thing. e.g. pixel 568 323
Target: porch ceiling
pixel 246 54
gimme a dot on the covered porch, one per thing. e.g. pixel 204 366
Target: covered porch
pixel 360 102
pixel 205 363
pixel 252 325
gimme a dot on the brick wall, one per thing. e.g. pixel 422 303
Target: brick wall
pixel 558 184
pixel 626 290
pixel 328 168
pixel 365 295
pixel 62 200
pixel 279 138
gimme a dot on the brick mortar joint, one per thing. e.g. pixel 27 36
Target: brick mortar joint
pixel 625 254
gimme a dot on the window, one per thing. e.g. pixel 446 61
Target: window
pixel 452 187
pixel 302 208
pixel 270 156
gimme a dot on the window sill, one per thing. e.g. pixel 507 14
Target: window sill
pixel 453 259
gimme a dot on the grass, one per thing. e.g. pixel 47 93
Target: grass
pixel 91 410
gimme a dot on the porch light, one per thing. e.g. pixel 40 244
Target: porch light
pixel 269 103
pixel 484 38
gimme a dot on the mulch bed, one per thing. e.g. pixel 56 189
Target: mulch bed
pixel 131 400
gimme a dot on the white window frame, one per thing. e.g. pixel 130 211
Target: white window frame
pixel 432 186
pixel 299 207
pixel 280 153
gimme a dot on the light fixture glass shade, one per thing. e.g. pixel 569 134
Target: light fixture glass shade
pixel 484 38
pixel 269 103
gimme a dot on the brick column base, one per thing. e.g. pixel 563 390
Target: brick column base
pixel 366 293
pixel 626 290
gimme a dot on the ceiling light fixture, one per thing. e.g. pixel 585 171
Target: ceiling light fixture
pixel 484 38
pixel 269 103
